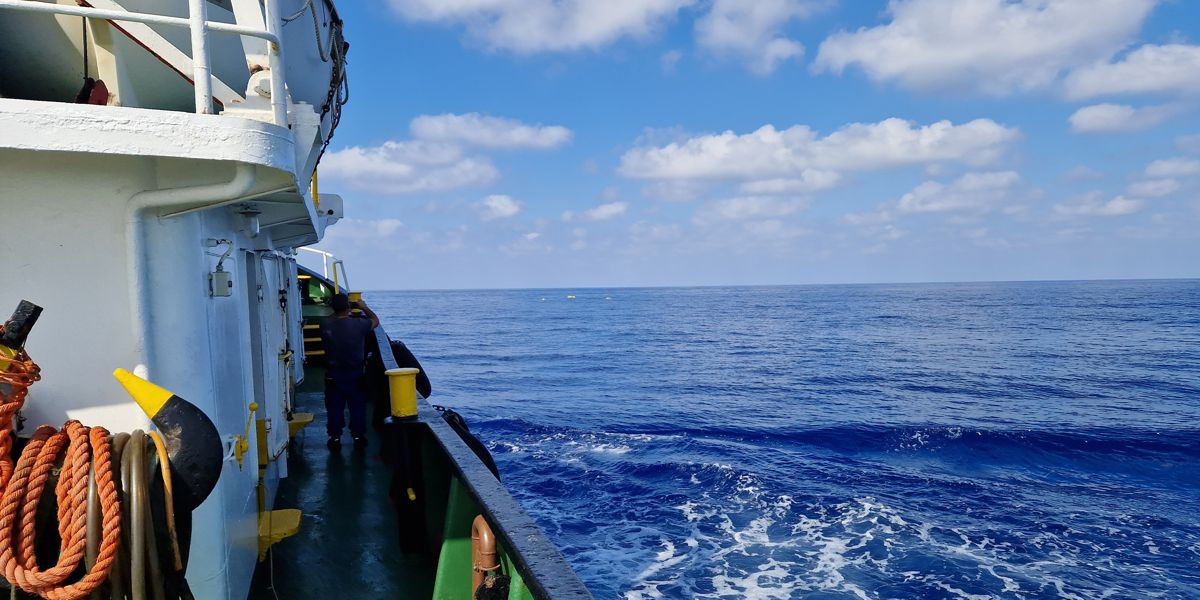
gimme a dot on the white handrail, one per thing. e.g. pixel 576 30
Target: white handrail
pixel 199 26
pixel 275 60
pixel 325 256
pixel 201 71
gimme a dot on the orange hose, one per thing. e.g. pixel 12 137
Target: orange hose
pixel 23 485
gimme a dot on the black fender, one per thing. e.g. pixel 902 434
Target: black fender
pixel 459 425
pixel 406 360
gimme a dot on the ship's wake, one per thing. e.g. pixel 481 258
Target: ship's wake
pixel 637 512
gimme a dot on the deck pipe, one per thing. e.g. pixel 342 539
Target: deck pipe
pixel 140 209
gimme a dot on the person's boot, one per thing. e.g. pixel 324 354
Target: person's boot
pixel 334 443
pixel 360 442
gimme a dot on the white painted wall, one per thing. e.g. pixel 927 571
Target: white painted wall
pixel 64 245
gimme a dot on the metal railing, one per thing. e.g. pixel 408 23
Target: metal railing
pixel 340 279
pixel 199 25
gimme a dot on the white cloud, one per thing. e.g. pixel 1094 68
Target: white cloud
pixel 1117 118
pixel 498 206
pixel 363 229
pixel 870 218
pixel 1082 173
pixel 1173 167
pixel 653 239
pixel 527 244
pixel 406 167
pixel 1093 205
pixel 749 207
pixel 971 192
pixel 528 26
pixel 676 190
pixel 876 226
pixel 1153 188
pixel 1188 143
pixel 580 241
pixel 1171 68
pixel 994 46
pixel 751 31
pixel 487 131
pixel 605 212
pixel 644 232
pixel 611 193
pixel 809 181
pixel 771 230
pixel 436 160
pixel 669 60
pixel 797 152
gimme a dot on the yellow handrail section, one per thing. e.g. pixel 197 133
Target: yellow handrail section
pixel 316 197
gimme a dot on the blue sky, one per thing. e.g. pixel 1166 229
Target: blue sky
pixel 547 143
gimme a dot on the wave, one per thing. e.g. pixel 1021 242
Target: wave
pixel 707 513
pixel 910 439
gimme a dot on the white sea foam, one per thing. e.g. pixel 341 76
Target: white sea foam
pixel 506 447
pixel 828 548
pixel 735 538
pixel 610 448
pixel 962 594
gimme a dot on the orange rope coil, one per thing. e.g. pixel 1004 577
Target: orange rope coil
pixel 23 485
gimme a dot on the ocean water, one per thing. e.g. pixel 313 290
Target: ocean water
pixel 1006 440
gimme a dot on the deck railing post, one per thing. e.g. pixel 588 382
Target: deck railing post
pixel 278 93
pixel 201 69
pixel 197 22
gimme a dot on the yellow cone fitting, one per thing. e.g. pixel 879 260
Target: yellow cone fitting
pixel 402 383
pixel 194 446
pixel 150 397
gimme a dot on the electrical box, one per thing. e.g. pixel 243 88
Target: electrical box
pixel 220 284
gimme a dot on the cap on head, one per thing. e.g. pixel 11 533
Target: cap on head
pixel 340 303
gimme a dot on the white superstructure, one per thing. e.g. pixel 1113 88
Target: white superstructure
pixel 158 224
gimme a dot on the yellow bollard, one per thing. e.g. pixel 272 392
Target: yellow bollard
pixel 403 386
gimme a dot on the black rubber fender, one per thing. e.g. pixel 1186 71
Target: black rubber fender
pixel 459 425
pixel 406 360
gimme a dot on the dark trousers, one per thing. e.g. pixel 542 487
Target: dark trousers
pixel 342 391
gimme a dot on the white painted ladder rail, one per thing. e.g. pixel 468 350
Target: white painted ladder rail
pixel 199 26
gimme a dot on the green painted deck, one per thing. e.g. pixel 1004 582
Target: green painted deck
pixel 347 546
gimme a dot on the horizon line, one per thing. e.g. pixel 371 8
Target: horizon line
pixel 766 285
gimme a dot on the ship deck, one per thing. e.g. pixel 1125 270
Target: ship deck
pixel 347 545
pixel 396 519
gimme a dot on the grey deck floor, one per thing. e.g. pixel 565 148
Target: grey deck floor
pixel 347 546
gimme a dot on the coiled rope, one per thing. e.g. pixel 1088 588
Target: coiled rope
pixel 87 449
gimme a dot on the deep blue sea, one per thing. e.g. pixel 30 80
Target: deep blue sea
pixel 983 440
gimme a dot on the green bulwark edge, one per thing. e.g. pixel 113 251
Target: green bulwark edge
pixel 453 580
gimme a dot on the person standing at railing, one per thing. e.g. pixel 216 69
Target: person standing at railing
pixel 344 336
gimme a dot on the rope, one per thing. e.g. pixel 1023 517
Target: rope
pixel 23 484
